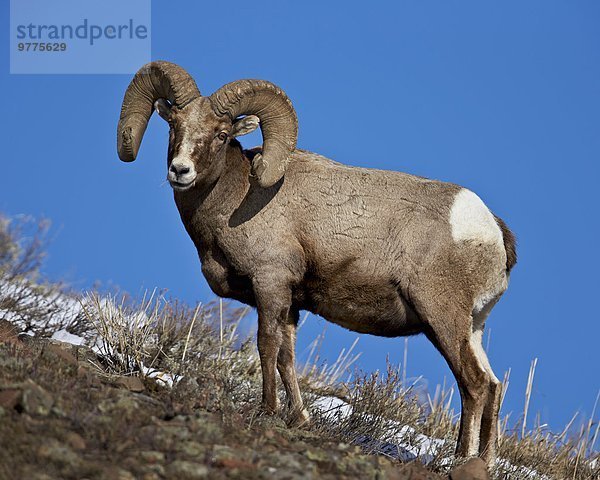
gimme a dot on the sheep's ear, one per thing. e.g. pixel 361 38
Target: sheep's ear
pixel 163 108
pixel 245 125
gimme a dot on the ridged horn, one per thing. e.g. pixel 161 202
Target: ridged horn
pixel 153 81
pixel 278 122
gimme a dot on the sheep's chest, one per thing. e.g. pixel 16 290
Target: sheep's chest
pixel 223 279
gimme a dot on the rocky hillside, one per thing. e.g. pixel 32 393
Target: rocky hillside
pixel 100 386
pixel 63 418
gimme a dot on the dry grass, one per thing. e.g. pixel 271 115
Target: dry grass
pixel 384 416
pixel 318 374
pixel 378 410
pixel 569 454
pixel 38 307
pixel 162 339
pixel 199 352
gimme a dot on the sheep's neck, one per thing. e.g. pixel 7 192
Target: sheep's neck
pixel 206 211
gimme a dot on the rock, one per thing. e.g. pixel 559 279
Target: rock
pixel 290 462
pixel 40 476
pixel 178 432
pixel 411 471
pixel 35 400
pixel 152 456
pixel 125 405
pixel 192 449
pixel 366 466
pixel 185 470
pixel 58 412
pixel 266 422
pixel 151 476
pixel 133 384
pixel 234 463
pixel 170 435
pixel 222 452
pixel 316 455
pixel 10 398
pixel 58 453
pixel 114 472
pixel 154 468
pixel 63 351
pixel 75 441
pixel 207 428
pixel 32 475
pixel 121 474
pixel 473 469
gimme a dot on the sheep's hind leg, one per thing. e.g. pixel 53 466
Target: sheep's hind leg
pixel 286 364
pixel 451 333
pixel 489 421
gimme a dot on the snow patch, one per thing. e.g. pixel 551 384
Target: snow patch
pixel 64 336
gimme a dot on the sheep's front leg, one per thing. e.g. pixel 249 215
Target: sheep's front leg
pixel 286 364
pixel 269 338
pixel 273 301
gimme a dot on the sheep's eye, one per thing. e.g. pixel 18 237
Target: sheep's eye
pixel 222 136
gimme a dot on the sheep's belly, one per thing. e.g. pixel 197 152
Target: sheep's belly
pixel 374 309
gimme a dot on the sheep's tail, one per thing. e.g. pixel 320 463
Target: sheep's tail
pixel 510 244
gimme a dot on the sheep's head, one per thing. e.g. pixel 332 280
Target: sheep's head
pixel 201 127
pixel 197 141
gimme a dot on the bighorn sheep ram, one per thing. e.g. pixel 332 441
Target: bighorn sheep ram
pixel 284 230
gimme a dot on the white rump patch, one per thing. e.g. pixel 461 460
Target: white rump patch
pixel 470 219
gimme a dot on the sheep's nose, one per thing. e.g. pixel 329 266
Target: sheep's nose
pixel 179 169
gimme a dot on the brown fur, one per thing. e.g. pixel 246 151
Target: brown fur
pixel 370 250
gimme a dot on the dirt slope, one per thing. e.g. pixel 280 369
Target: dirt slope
pixel 61 418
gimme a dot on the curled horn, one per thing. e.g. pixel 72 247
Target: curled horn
pixel 153 81
pixel 278 122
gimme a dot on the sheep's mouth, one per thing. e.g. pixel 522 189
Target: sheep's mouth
pixel 180 186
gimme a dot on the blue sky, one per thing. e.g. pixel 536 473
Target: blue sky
pixel 501 97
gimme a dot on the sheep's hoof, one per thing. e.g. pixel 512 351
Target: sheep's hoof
pixel 266 412
pixel 298 419
pixel 269 410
